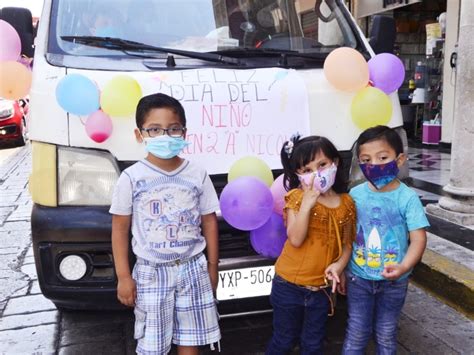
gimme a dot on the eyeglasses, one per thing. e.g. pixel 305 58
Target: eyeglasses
pixel 174 132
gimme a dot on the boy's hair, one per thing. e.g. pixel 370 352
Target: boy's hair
pixel 150 102
pixel 380 133
pixel 304 151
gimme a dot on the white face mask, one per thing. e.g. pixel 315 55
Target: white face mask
pixel 324 179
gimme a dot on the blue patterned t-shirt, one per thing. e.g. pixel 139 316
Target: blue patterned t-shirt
pixel 383 222
pixel 166 209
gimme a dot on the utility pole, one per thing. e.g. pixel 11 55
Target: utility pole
pixel 459 205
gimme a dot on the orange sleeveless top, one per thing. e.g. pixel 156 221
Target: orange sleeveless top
pixel 328 230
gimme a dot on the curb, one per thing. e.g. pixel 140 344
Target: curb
pixel 447 279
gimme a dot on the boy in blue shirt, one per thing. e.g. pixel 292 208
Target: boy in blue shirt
pixel 390 241
pixel 170 204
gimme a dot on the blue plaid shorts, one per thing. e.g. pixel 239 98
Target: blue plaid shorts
pixel 174 304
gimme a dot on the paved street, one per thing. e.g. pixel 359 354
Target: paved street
pixel 30 324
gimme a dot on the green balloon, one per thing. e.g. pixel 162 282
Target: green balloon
pixel 251 166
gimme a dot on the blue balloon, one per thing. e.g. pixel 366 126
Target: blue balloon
pixel 78 95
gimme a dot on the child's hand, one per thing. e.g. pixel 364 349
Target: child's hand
pixel 341 286
pixel 332 273
pixel 310 195
pixel 393 272
pixel 127 291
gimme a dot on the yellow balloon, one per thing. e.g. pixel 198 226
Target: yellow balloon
pixel 15 80
pixel 251 166
pixel 371 107
pixel 346 69
pixel 120 96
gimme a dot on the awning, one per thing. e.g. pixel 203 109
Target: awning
pixel 363 8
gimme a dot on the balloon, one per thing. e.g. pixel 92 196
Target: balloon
pixel 77 94
pixel 251 166
pixel 278 193
pixel 120 96
pixel 269 239
pixel 10 43
pixel 99 126
pixel 15 80
pixel 246 203
pixel 371 107
pixel 346 69
pixel 386 72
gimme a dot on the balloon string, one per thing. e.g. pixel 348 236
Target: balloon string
pixel 82 120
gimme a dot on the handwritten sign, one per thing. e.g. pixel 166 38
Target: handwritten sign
pixel 234 113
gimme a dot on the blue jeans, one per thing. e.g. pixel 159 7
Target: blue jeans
pixel 374 308
pixel 298 314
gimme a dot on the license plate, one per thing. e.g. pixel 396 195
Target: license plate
pixel 243 283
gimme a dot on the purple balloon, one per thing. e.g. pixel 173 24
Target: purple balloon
pixel 269 239
pixel 246 203
pixel 387 72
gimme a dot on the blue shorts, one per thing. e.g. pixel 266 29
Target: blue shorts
pixel 174 304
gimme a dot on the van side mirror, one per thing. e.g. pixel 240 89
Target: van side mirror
pixel 383 34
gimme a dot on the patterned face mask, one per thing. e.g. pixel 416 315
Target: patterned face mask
pixel 380 175
pixel 324 179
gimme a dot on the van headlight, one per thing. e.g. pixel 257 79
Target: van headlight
pixel 85 177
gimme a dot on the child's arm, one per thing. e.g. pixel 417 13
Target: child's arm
pixel 412 257
pixel 211 233
pixel 298 221
pixel 126 288
pixel 334 271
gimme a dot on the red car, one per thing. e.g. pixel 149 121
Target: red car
pixel 13 121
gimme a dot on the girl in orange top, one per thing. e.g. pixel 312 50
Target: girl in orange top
pixel 321 228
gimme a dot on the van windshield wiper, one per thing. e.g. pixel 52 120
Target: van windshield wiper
pixel 273 52
pixel 124 45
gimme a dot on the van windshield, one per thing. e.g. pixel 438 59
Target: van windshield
pixel 306 26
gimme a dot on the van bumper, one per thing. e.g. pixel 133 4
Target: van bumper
pixel 86 231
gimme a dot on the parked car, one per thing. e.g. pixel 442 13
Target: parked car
pixel 13 121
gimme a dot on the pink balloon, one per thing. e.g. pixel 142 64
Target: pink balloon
pixel 99 126
pixel 278 193
pixel 10 43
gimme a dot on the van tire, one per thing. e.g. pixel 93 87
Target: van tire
pixel 22 21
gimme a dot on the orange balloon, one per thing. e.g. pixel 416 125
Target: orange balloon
pixel 15 80
pixel 346 69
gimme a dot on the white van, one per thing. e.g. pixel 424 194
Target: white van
pixel 249 75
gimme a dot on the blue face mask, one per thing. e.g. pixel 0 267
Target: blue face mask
pixel 165 147
pixel 381 174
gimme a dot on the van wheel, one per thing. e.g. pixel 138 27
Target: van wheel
pixel 22 21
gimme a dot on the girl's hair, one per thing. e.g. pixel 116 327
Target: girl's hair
pixel 296 153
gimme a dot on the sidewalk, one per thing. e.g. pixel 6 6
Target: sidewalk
pixel 447 267
pixel 29 323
